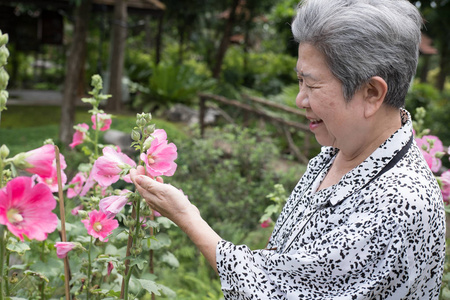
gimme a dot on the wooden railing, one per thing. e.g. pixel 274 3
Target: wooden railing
pixel 300 154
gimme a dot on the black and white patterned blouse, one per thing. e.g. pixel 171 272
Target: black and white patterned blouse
pixel 377 234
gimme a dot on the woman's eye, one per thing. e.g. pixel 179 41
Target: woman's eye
pixel 301 81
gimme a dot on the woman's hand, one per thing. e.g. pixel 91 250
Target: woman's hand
pixel 173 204
pixel 164 198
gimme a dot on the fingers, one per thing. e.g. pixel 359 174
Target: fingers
pixel 140 170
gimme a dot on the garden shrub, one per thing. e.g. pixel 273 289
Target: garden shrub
pixel 265 72
pixel 421 95
pixel 172 83
pixel 228 175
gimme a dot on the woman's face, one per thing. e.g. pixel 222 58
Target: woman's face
pixel 333 121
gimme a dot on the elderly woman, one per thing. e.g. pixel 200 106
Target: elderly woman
pixel 366 220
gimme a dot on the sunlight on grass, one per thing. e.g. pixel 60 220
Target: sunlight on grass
pixel 24 128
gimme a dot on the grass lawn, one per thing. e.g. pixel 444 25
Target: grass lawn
pixel 24 128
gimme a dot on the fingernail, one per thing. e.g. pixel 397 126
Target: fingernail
pixel 138 180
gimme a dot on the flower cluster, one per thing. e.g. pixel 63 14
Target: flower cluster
pixel 4 77
pixel 433 151
pixel 27 202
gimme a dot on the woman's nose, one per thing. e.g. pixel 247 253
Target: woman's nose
pixel 302 100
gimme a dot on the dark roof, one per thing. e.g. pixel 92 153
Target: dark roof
pixel 135 4
pixel 139 4
pixel 426 45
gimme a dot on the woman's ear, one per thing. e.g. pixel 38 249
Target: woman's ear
pixel 374 93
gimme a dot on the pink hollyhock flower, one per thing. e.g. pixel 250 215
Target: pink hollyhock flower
pixel 77 183
pixel 160 156
pixel 52 180
pixel 75 210
pixel 445 189
pixel 62 248
pixel 26 209
pixel 110 267
pixel 80 135
pixel 266 223
pixel 41 160
pixel 429 152
pixel 99 225
pixel 104 121
pixel 107 168
pixel 112 205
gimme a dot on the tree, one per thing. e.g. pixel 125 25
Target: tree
pixel 74 71
pixel 117 57
pixel 437 25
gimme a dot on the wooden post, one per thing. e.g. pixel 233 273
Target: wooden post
pixel 201 116
pixel 63 223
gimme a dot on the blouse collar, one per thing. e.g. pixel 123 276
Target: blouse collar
pixel 375 163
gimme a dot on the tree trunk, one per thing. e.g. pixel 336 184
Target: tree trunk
pixel 425 68
pixel 159 38
pixel 117 58
pixel 225 40
pixel 74 65
pixel 444 64
pixel 181 34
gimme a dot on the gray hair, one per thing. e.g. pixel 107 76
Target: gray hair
pixel 364 38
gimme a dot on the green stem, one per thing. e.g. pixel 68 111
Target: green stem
pixel 88 281
pixel 97 129
pixel 42 287
pixel 7 254
pixel 136 231
pixel 2 166
pixel 2 255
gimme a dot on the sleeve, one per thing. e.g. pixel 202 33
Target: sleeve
pixel 352 261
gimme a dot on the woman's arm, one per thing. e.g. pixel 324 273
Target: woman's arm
pixel 173 204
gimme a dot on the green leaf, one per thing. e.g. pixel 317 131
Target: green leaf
pixel 167 291
pixel 170 259
pixel 18 267
pixel 18 247
pixel 155 288
pixel 150 286
pixel 161 240
pixel 51 268
pixel 165 222
pixel 83 239
pixel 139 262
pixel 36 274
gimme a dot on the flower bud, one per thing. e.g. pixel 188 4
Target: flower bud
pixel 149 129
pixel 20 161
pixel 145 211
pixel 3 39
pixel 13 279
pixel 439 154
pixel 4 78
pixel 95 200
pixel 137 250
pixel 140 122
pixel 131 221
pixel 148 117
pixel 120 267
pixel 4 152
pixel 83 214
pixel 3 100
pixel 147 143
pixel 141 233
pixel 4 54
pixel 135 135
pixel 97 82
